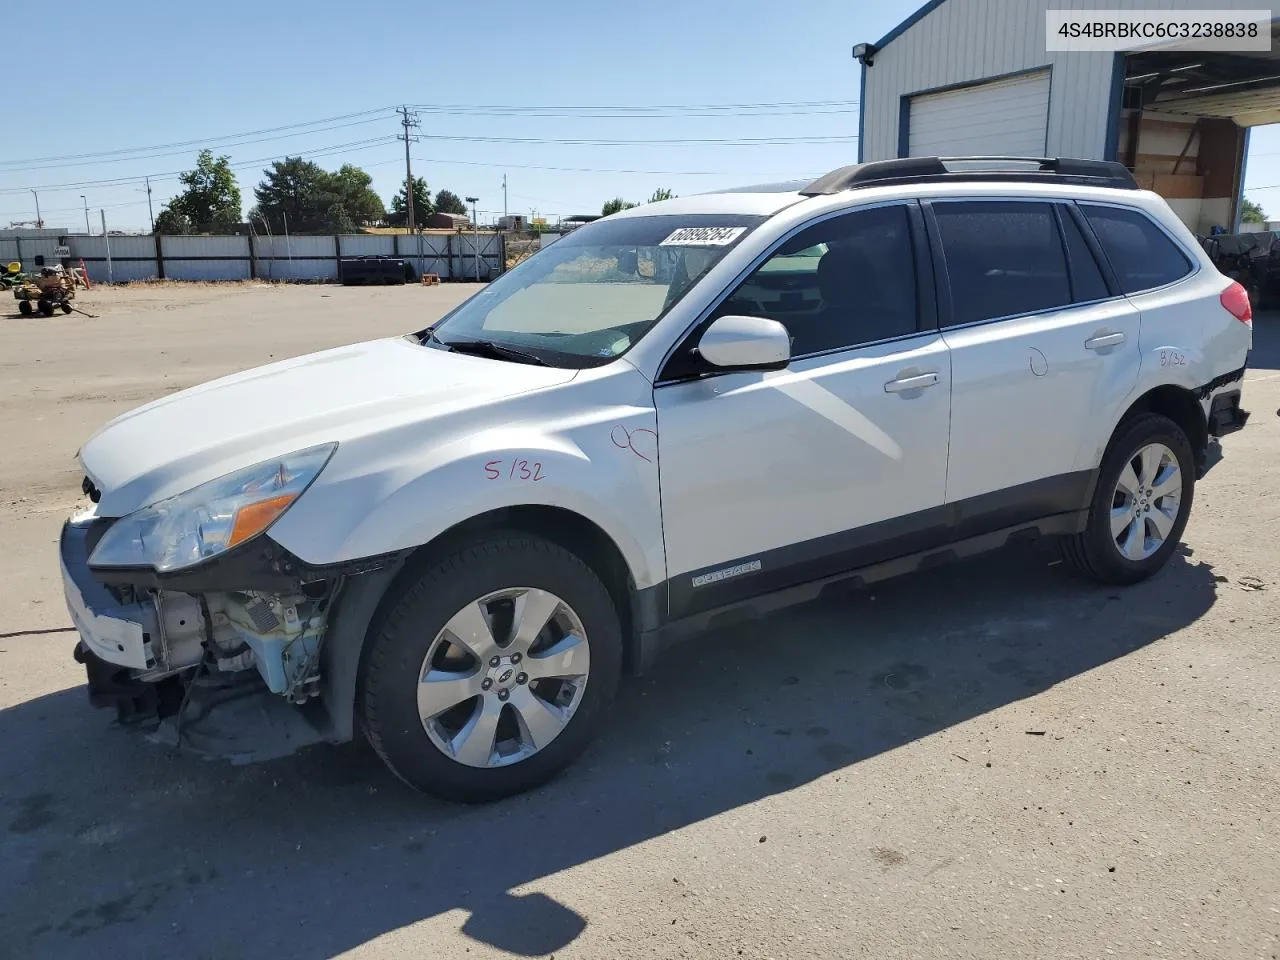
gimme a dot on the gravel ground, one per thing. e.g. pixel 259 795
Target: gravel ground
pixel 989 760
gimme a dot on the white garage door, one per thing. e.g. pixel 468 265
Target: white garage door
pixel 1004 117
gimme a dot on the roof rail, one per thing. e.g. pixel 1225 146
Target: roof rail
pixel 1094 173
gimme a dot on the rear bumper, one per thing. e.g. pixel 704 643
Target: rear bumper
pixel 1226 415
pixel 1221 400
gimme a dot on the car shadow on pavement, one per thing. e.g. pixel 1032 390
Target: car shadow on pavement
pixel 111 846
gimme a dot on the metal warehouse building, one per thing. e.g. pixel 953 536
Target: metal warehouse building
pixel 973 77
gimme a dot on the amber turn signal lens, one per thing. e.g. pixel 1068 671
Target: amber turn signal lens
pixel 256 517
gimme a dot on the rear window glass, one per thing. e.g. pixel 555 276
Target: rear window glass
pixel 1003 258
pixel 1141 254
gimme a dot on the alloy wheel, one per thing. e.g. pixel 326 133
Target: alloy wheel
pixel 503 677
pixel 1146 502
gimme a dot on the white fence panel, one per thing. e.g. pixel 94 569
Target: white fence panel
pixel 297 247
pixel 132 258
pixel 33 247
pixel 122 247
pixel 206 269
pixel 196 247
pixel 298 269
pixel 427 253
pixel 368 245
pixel 121 271
pixel 477 257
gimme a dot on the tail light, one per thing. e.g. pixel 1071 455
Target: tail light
pixel 1236 299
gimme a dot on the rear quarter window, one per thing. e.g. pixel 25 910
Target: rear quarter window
pixel 1141 254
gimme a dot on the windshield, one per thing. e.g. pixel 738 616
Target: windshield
pixel 587 298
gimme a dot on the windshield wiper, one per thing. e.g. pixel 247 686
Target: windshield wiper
pixel 487 348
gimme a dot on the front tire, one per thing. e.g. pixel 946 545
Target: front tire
pixel 492 669
pixel 1141 503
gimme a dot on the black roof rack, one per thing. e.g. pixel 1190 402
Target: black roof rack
pixel 1093 173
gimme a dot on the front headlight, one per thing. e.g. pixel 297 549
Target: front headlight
pixel 212 517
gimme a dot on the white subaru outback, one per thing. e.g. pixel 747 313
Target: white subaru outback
pixel 705 408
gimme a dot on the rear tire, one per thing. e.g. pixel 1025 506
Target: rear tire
pixel 418 638
pixel 46 308
pixel 1140 506
pixel 25 308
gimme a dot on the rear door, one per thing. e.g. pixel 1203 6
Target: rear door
pixel 1042 348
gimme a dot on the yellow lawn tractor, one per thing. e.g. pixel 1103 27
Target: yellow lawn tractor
pixel 54 288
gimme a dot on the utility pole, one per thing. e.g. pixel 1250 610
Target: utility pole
pixel 87 229
pixel 149 211
pixel 39 219
pixel 475 232
pixel 504 198
pixel 408 120
pixel 107 240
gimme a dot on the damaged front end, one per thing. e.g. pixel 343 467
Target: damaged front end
pixel 228 672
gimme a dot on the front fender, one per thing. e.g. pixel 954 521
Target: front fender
pixel 602 466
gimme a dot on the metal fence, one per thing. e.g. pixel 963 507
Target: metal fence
pixel 117 259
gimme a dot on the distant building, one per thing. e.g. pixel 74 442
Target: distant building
pixel 515 223
pixel 962 78
pixel 447 221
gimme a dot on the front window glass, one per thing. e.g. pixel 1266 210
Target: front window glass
pixel 590 296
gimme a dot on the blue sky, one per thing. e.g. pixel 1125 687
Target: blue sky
pixel 169 73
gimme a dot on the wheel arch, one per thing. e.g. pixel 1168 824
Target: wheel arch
pixel 1180 405
pixel 366 600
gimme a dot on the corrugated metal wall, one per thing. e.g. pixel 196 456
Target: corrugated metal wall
pixel 452 256
pixel 371 245
pixel 132 258
pixel 963 41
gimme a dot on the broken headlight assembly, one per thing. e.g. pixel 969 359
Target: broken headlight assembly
pixel 212 518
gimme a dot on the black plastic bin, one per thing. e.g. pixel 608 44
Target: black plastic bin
pixel 354 271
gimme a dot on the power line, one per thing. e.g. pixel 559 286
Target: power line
pixel 173 153
pixel 632 116
pixel 204 141
pixel 656 173
pixel 619 110
pixel 675 108
pixel 169 175
pixel 673 141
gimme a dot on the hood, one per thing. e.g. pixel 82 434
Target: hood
pixel 182 440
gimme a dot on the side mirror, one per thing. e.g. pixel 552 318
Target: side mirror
pixel 746 343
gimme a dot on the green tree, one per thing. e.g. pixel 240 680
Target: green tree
pixel 616 204
pixel 449 202
pixel 210 197
pixel 360 204
pixel 422 207
pixel 1251 212
pixel 172 222
pixel 662 193
pixel 301 197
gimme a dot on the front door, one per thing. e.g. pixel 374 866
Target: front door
pixel 773 479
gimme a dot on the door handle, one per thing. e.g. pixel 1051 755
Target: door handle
pixel 1104 341
pixel 911 383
